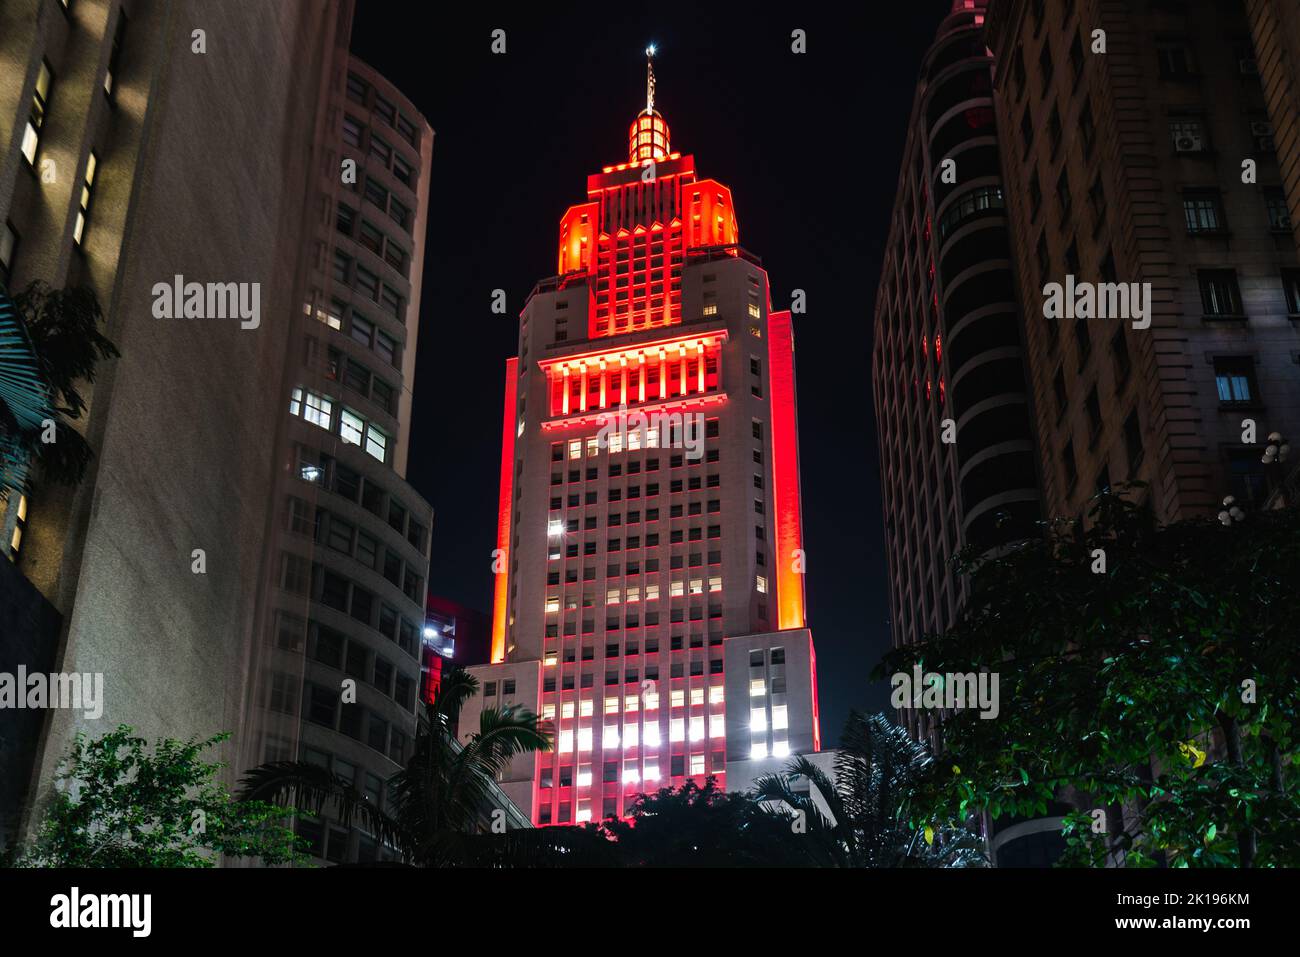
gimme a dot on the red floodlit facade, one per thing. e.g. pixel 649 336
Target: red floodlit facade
pixel 649 599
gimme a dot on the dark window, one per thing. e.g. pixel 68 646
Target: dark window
pixel 1202 211
pixel 1133 442
pixel 1220 295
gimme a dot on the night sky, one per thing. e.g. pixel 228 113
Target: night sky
pixel 810 146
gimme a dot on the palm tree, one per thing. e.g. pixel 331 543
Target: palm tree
pixel 49 342
pixel 877 768
pixel 439 797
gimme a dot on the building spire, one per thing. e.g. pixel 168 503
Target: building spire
pixel 650 79
pixel 648 138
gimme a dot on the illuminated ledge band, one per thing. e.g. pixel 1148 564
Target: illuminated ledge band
pixel 708 339
pixel 602 416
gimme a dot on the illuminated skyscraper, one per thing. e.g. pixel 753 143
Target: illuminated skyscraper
pixel 649 595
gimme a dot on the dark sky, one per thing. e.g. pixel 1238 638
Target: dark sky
pixel 810 146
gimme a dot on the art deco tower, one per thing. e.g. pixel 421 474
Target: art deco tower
pixel 649 598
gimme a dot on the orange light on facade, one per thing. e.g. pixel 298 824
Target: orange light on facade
pixel 785 473
pixel 505 499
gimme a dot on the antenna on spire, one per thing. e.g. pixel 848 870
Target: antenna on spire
pixel 650 79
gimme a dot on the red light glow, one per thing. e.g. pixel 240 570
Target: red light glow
pixel 505 498
pixel 785 473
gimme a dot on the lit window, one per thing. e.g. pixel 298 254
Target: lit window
pixel 615 442
pixel 652 770
pixel 757 686
pixel 652 736
pixel 116 53
pixel 612 596
pixel 697 696
pixel 652 438
pixel 555 527
pixel 697 586
pixel 651 700
pixel 697 730
pixel 331 320
pixel 753 310
pixel 586 708
pixel 717 726
pixel 610 738
pixel 566 742
pixel 634 440
pixel 711 309
pixel 611 705
pixel 761 584
pixel 676 590
pixel 316 409
pixel 552 606
pixel 697 764
pixel 715 583
pixel 630 736
pixel 780 717
pixel 36 117
pixel 758 750
pixel 652 592
pixel 630 703
pixel 593 447
pixel 575 449
pixel 584 808
pixel 550 660
pixel 584 739
pixel 351 427
pixel 548 712
pixel 633 592
pixel 677 729
pixel 717 694
pixel 677 698
pixel 79 229
pixel 376 443
pixel 631 775
pixel 566 710
pixel 757 719
pixel 584 779
pixel 780 749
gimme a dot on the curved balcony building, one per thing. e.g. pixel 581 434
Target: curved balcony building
pixel 958 459
pixel 346 610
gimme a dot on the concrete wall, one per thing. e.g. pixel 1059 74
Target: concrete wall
pixel 212 186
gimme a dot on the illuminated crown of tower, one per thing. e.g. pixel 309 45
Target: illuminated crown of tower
pixel 648 137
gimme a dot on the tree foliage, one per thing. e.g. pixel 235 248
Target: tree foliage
pixel 119 802
pixel 60 328
pixel 1149 673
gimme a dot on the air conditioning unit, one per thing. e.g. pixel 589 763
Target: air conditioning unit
pixel 1189 144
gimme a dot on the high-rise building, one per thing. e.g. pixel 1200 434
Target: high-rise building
pixel 244 553
pixel 340 668
pixel 1156 142
pixel 649 596
pixel 146 144
pixel 957 452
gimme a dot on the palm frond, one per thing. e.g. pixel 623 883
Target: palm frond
pixel 309 787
